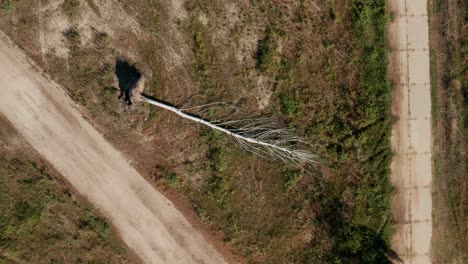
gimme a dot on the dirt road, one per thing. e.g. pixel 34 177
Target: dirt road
pixel 411 135
pixel 48 119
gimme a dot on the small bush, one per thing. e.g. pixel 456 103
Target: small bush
pixel 74 39
pixel 24 210
pixel 6 6
pixel 70 7
pixel 289 106
pixel 266 50
pixel 291 177
pixel 172 179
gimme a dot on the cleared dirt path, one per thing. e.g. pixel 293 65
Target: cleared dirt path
pixel 411 136
pixel 48 119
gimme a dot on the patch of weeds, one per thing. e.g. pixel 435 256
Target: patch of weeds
pixel 266 50
pixel 172 179
pixel 218 189
pixel 32 180
pixel 6 7
pixel 70 7
pixel 100 39
pixel 289 106
pixel 205 55
pixel 218 154
pixel 217 157
pixel 291 178
pixel 33 210
pixel 109 100
pixel 98 225
pixel 207 83
pixel 74 39
pixel 152 115
pixel 216 184
pixel 25 210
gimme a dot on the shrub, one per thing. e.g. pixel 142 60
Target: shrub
pixel 70 7
pixel 266 50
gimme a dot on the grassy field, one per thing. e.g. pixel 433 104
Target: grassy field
pixel 41 220
pixel 449 52
pixel 339 212
pixel 317 66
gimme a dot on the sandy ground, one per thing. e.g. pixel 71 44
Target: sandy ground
pixel 50 122
pixel 411 136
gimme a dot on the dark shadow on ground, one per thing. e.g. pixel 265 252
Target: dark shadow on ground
pixel 128 77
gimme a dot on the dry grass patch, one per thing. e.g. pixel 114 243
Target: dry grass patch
pixel 449 50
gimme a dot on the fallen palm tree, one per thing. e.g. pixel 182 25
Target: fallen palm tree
pixel 260 136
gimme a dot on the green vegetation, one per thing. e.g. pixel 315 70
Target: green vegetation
pixel 42 222
pixel 289 106
pixel 201 56
pixel 449 83
pixel 170 177
pixel 340 97
pixel 204 58
pixel 266 50
pixel 216 190
pixel 216 185
pixel 6 6
pixel 70 7
pixel 291 178
pixel 217 154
